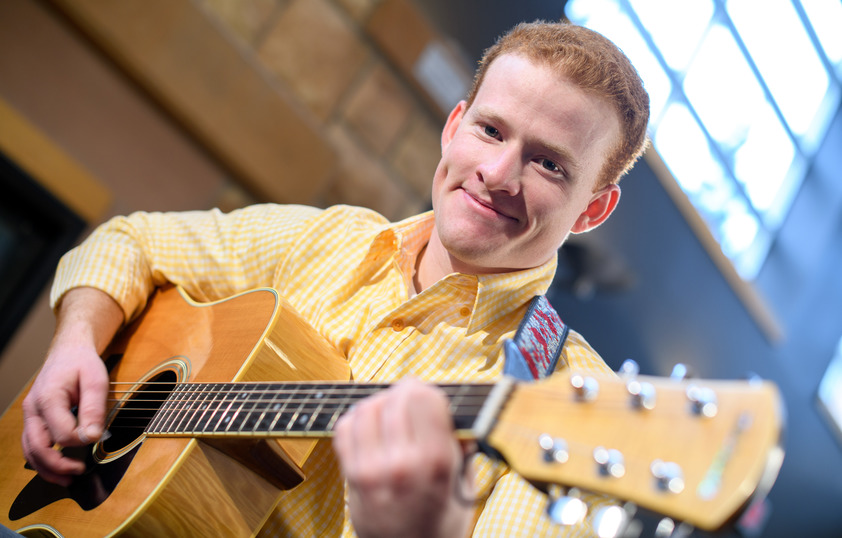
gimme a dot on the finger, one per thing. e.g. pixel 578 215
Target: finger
pixel 93 388
pixel 428 413
pixel 397 429
pixel 39 452
pixel 54 409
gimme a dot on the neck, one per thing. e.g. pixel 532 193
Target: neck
pixel 282 409
pixel 430 265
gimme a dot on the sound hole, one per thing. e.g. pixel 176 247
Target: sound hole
pixel 136 411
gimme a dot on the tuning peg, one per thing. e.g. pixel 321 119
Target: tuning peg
pixel 629 368
pixel 668 529
pixel 617 522
pixel 668 475
pixel 680 372
pixel 754 379
pixel 643 394
pixel 567 509
pixel 586 388
pixel 703 401
pixel 609 461
pixel 555 449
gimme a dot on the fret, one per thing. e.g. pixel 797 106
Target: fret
pixel 185 404
pixel 212 404
pixel 281 414
pixel 168 411
pixel 300 417
pixel 159 414
pixel 270 415
pixel 260 396
pixel 179 412
pixel 207 422
pixel 465 403
pixel 201 399
pixel 223 417
pixel 320 416
pixel 237 410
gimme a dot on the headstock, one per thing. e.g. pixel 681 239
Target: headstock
pixel 693 450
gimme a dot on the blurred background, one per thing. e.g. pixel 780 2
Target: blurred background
pixel 724 253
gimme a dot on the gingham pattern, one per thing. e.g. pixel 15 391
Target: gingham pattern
pixel 346 270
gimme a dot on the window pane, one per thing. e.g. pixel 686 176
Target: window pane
pixel 686 152
pixel 605 17
pixel 762 163
pixel 826 18
pixel 675 27
pixel 785 57
pixel 722 88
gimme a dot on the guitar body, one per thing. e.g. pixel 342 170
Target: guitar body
pixel 179 486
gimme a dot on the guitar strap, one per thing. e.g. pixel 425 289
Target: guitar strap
pixel 534 351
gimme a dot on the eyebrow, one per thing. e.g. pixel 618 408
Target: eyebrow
pixel 571 163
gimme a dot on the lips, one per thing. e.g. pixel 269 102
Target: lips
pixel 488 207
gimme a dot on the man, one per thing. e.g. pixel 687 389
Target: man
pixel 556 116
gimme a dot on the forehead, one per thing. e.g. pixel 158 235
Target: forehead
pixel 543 102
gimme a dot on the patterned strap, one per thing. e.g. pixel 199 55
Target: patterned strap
pixel 536 347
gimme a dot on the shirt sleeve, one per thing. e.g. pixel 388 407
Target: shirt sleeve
pixel 578 356
pixel 211 254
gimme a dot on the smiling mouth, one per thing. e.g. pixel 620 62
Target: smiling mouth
pixel 489 207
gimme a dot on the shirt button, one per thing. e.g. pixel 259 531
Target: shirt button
pixel 398 324
pixel 465 311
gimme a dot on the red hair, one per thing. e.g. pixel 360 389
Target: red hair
pixel 594 64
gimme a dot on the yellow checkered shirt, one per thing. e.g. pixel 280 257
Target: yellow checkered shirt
pixel 346 270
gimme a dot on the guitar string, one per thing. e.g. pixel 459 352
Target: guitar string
pixel 332 400
pixel 462 410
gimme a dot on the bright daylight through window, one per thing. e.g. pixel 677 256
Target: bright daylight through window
pixel 742 92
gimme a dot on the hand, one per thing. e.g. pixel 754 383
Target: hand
pixel 72 375
pixel 403 464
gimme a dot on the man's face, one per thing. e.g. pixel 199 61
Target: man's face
pixel 519 168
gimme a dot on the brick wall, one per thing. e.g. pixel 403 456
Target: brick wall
pixel 384 131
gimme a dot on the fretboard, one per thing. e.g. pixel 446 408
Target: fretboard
pixel 283 409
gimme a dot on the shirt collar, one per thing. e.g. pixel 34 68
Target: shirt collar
pixel 496 295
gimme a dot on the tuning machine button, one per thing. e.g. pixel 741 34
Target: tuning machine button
pixel 643 394
pixel 554 449
pixel 629 368
pixel 617 522
pixel 703 401
pixel 681 372
pixel 585 387
pixel 609 462
pixel 667 528
pixel 567 510
pixel 668 476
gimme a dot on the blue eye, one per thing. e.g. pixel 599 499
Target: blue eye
pixel 549 165
pixel 491 131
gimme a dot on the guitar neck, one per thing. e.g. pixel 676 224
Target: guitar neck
pixel 285 409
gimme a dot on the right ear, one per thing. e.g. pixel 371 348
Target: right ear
pixel 452 124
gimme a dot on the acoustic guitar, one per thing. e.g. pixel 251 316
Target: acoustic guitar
pixel 201 444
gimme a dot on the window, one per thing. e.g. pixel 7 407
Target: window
pixel 742 92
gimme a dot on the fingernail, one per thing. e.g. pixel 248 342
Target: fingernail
pixel 87 433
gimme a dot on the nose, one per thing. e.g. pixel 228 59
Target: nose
pixel 501 170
